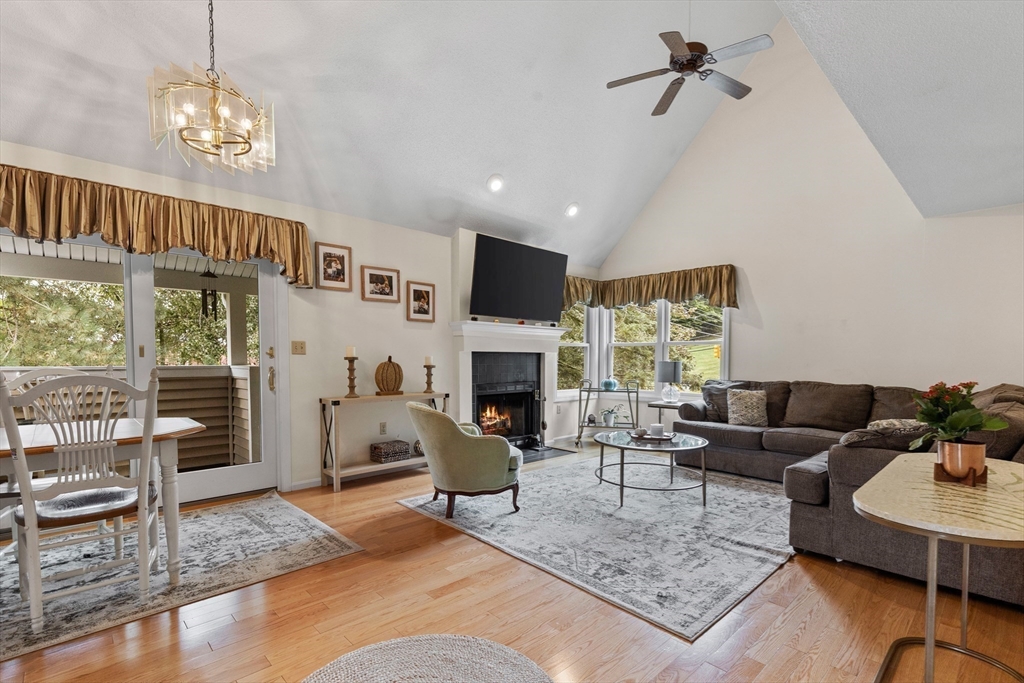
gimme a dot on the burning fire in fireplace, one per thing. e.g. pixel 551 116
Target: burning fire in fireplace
pixel 493 422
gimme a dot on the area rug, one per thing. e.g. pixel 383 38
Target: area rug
pixel 222 548
pixel 431 659
pixel 662 556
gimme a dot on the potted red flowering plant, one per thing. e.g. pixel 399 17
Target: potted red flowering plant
pixel 950 414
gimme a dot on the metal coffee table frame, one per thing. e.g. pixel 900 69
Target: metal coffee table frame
pixel 671 465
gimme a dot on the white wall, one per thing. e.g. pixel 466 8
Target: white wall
pixel 326 320
pixel 840 278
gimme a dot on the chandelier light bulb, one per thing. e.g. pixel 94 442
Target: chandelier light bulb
pixel 224 111
pixel 206 135
pixel 180 119
pixel 495 183
pixel 247 124
pixel 189 108
pixel 572 209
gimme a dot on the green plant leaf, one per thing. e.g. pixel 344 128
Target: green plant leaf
pixel 992 424
pixel 965 420
pixel 921 441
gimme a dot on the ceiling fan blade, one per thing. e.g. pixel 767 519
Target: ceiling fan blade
pixel 676 44
pixel 670 94
pixel 730 86
pixel 638 77
pixel 739 49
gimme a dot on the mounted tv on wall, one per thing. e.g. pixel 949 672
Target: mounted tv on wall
pixel 512 280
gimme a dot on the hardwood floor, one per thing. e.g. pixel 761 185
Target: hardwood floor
pixel 813 620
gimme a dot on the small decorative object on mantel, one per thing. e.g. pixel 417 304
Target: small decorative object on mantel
pixel 389 451
pixel 950 415
pixel 428 363
pixel 389 378
pixel 610 384
pixel 417 448
pixel 351 357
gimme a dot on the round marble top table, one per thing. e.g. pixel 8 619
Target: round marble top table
pixel 625 442
pixel 904 495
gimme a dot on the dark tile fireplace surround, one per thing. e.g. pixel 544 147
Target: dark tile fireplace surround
pixel 506 395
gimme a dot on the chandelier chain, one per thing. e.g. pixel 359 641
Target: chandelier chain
pixel 213 63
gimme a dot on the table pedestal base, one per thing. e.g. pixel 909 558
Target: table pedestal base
pixel 892 656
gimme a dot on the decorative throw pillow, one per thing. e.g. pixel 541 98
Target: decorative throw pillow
pixel 748 408
pixel 897 423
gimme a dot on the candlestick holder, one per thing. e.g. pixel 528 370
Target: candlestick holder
pixel 351 376
pixel 430 378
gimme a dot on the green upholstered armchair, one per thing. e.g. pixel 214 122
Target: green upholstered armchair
pixel 462 461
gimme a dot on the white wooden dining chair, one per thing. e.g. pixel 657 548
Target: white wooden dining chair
pixel 82 413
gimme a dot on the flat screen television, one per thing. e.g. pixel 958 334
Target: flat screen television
pixel 513 280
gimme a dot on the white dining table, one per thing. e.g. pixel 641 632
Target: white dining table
pixel 39 443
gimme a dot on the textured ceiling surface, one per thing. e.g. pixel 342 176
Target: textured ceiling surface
pixel 937 86
pixel 393 111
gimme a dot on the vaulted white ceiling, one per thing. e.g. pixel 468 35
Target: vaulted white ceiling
pixel 394 111
pixel 937 86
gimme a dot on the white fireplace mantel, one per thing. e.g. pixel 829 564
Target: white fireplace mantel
pixel 473 336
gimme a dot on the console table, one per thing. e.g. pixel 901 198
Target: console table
pixel 330 439
pixel 632 392
pixel 903 495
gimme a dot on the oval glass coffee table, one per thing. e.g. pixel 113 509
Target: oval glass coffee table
pixel 679 443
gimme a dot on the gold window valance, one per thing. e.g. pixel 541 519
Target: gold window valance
pixel 48 207
pixel 717 283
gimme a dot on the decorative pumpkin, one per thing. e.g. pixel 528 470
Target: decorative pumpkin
pixel 417 448
pixel 388 378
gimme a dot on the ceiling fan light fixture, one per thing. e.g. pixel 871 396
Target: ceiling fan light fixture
pixel 495 183
pixel 572 210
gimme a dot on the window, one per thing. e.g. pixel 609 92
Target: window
pixel 695 337
pixel 634 344
pixel 51 322
pixel 573 348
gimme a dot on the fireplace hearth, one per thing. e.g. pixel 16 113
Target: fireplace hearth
pixel 507 396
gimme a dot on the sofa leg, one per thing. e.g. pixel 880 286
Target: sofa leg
pixel 436 494
pixel 451 506
pixel 515 495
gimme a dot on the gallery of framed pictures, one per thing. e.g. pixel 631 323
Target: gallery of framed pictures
pixel 334 267
pixel 380 284
pixel 420 302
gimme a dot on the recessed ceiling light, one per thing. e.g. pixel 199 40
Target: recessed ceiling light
pixel 495 183
pixel 572 209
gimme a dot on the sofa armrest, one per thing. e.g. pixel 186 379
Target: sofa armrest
pixel 855 466
pixel 695 411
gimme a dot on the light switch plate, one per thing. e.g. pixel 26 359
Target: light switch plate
pixel 298 348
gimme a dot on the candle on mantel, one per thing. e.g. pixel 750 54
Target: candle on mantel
pixel 350 352
pixel 429 360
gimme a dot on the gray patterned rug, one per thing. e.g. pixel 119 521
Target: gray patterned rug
pixel 222 548
pixel 661 556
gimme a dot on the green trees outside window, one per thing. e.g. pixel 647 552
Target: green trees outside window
pixel 573 349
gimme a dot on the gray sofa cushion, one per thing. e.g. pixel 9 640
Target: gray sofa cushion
pixel 1003 444
pixel 799 440
pixel 840 407
pixel 718 434
pixel 1000 393
pixel 807 480
pixel 894 439
pixel 854 466
pixel 715 394
pixel 893 403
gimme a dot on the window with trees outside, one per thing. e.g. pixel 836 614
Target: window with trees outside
pixel 629 340
pixel 573 347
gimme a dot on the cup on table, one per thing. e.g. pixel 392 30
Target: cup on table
pixel 657 430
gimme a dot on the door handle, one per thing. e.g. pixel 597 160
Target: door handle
pixel 270 379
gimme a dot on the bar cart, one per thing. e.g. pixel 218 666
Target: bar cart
pixel 587 390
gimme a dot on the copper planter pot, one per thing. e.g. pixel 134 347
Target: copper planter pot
pixel 958 459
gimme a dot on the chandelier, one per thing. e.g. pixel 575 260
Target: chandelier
pixel 208 118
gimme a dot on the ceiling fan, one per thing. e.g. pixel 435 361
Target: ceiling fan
pixel 689 59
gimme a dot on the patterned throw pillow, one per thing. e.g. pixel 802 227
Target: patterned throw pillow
pixel 896 423
pixel 748 408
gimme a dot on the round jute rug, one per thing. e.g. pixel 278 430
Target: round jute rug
pixel 431 659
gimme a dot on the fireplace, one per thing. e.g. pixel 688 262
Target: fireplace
pixel 506 395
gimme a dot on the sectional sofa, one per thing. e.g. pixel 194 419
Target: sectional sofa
pixel 817 443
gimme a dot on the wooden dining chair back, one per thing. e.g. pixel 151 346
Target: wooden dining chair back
pixel 82 413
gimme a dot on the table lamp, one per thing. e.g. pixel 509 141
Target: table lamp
pixel 670 372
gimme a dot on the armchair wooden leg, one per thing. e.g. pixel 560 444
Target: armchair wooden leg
pixel 436 494
pixel 515 495
pixel 451 506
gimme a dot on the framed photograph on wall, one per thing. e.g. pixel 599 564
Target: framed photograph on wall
pixel 333 267
pixel 380 284
pixel 419 302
